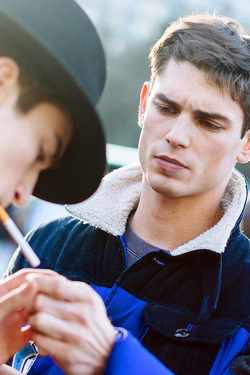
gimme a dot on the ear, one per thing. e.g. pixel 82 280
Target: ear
pixel 244 155
pixel 143 102
pixel 9 73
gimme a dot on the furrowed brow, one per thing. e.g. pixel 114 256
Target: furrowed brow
pixel 212 115
pixel 162 97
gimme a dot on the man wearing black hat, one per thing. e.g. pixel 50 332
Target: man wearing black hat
pixel 52 73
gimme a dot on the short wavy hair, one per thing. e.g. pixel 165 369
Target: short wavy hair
pixel 215 44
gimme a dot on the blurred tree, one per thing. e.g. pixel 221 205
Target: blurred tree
pixel 119 104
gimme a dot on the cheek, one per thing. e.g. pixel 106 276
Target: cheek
pixel 28 154
pixel 21 163
pixel 152 131
pixel 141 150
pixel 218 159
pixel 145 142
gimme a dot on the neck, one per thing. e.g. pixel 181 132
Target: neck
pixel 169 222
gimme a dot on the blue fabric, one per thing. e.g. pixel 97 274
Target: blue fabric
pixel 121 361
pixel 229 349
pixel 44 366
pixel 102 291
pixel 127 314
pixel 141 362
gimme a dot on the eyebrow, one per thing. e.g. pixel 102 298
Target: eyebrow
pixel 167 100
pixel 212 115
pixel 197 112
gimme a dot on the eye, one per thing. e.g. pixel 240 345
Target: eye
pixel 209 125
pixel 165 109
pixel 41 156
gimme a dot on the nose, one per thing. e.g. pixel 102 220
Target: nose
pixel 24 190
pixel 21 195
pixel 179 133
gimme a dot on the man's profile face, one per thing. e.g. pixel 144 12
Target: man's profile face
pixel 191 133
pixel 29 143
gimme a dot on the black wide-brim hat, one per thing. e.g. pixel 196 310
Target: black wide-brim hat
pixel 62 41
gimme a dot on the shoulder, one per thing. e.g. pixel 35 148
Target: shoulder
pixel 238 250
pixel 57 231
pixel 234 293
pixel 66 245
pixel 65 240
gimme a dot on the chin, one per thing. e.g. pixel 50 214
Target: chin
pixel 166 190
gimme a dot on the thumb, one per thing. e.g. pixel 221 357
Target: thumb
pixel 21 297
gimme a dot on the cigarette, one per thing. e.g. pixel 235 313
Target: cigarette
pixel 19 239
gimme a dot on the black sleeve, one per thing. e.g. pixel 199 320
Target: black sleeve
pixel 54 243
pixel 74 249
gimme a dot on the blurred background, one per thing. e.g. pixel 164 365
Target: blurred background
pixel 128 29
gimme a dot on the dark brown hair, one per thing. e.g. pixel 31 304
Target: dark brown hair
pixel 215 44
pixel 34 85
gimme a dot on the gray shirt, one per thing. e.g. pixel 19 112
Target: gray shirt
pixel 136 246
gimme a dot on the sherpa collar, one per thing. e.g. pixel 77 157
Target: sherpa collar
pixel 118 195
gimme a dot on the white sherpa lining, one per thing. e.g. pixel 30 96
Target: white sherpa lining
pixel 109 207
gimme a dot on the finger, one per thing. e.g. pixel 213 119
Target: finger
pixel 54 327
pixel 64 289
pixel 83 312
pixel 54 348
pixel 7 370
pixel 75 327
pixel 58 308
pixel 16 299
pixel 85 354
pixel 44 281
pixel 15 280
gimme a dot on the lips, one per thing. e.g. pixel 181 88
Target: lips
pixel 167 159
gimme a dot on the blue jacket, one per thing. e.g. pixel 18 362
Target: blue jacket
pixel 186 314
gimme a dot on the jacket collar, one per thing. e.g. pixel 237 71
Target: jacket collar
pixel 119 193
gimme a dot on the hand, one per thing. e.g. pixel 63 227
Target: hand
pixel 16 297
pixel 16 294
pixel 69 322
pixel 7 370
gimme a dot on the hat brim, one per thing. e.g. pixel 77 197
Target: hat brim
pixel 82 167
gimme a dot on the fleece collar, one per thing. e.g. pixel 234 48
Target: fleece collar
pixel 119 193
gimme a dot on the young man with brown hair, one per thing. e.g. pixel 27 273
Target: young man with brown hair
pixel 160 241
